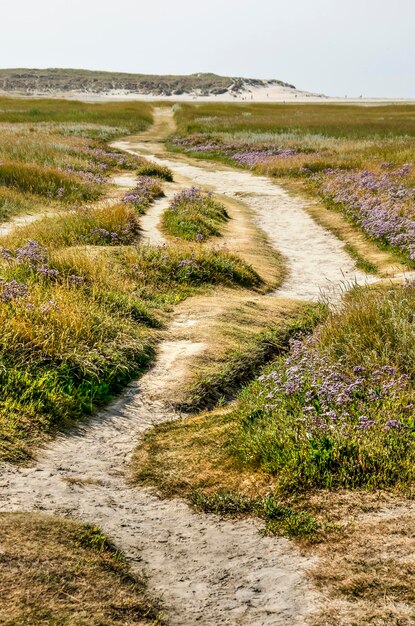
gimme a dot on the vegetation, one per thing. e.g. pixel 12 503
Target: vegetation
pixel 338 411
pixel 157 171
pixel 60 80
pixel 100 121
pixel 80 296
pixel 194 215
pixel 147 190
pixel 56 571
pixel 257 336
pixel 358 160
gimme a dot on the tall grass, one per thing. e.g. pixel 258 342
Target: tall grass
pixel 338 412
pixel 78 322
pixel 127 117
pixel 109 225
pixel 55 152
pixel 46 182
pixel 328 120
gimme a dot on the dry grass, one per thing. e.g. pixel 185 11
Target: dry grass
pixel 367 572
pixel 190 454
pixel 240 331
pixel 58 572
pixel 112 224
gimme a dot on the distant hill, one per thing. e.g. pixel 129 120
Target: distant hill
pixel 60 81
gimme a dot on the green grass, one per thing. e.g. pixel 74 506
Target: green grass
pixel 14 203
pixel 46 182
pixel 117 117
pixel 112 225
pixel 194 215
pixel 327 120
pixel 55 153
pixel 279 518
pixel 315 421
pixel 72 338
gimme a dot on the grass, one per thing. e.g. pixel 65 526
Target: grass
pixel 55 154
pixel 365 572
pixel 322 150
pixel 327 120
pixel 146 191
pixel 190 457
pixel 57 571
pixel 337 412
pixel 103 121
pixel 155 170
pixel 194 216
pixel 46 182
pixel 74 333
pixel 250 335
pixel 14 203
pixel 82 302
pixel 280 519
pixel 334 412
pixel 113 224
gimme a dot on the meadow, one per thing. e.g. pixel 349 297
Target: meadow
pixel 295 413
pixel 82 299
pixel 357 160
pixel 336 411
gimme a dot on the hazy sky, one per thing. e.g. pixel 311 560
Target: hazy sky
pixel 333 46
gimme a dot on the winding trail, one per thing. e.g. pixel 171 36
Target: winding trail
pixel 317 264
pixel 208 571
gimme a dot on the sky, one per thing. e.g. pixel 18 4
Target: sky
pixel 336 47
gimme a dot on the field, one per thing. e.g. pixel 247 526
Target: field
pixel 357 160
pixel 157 332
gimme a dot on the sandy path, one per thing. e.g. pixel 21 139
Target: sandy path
pixel 316 261
pixel 208 571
